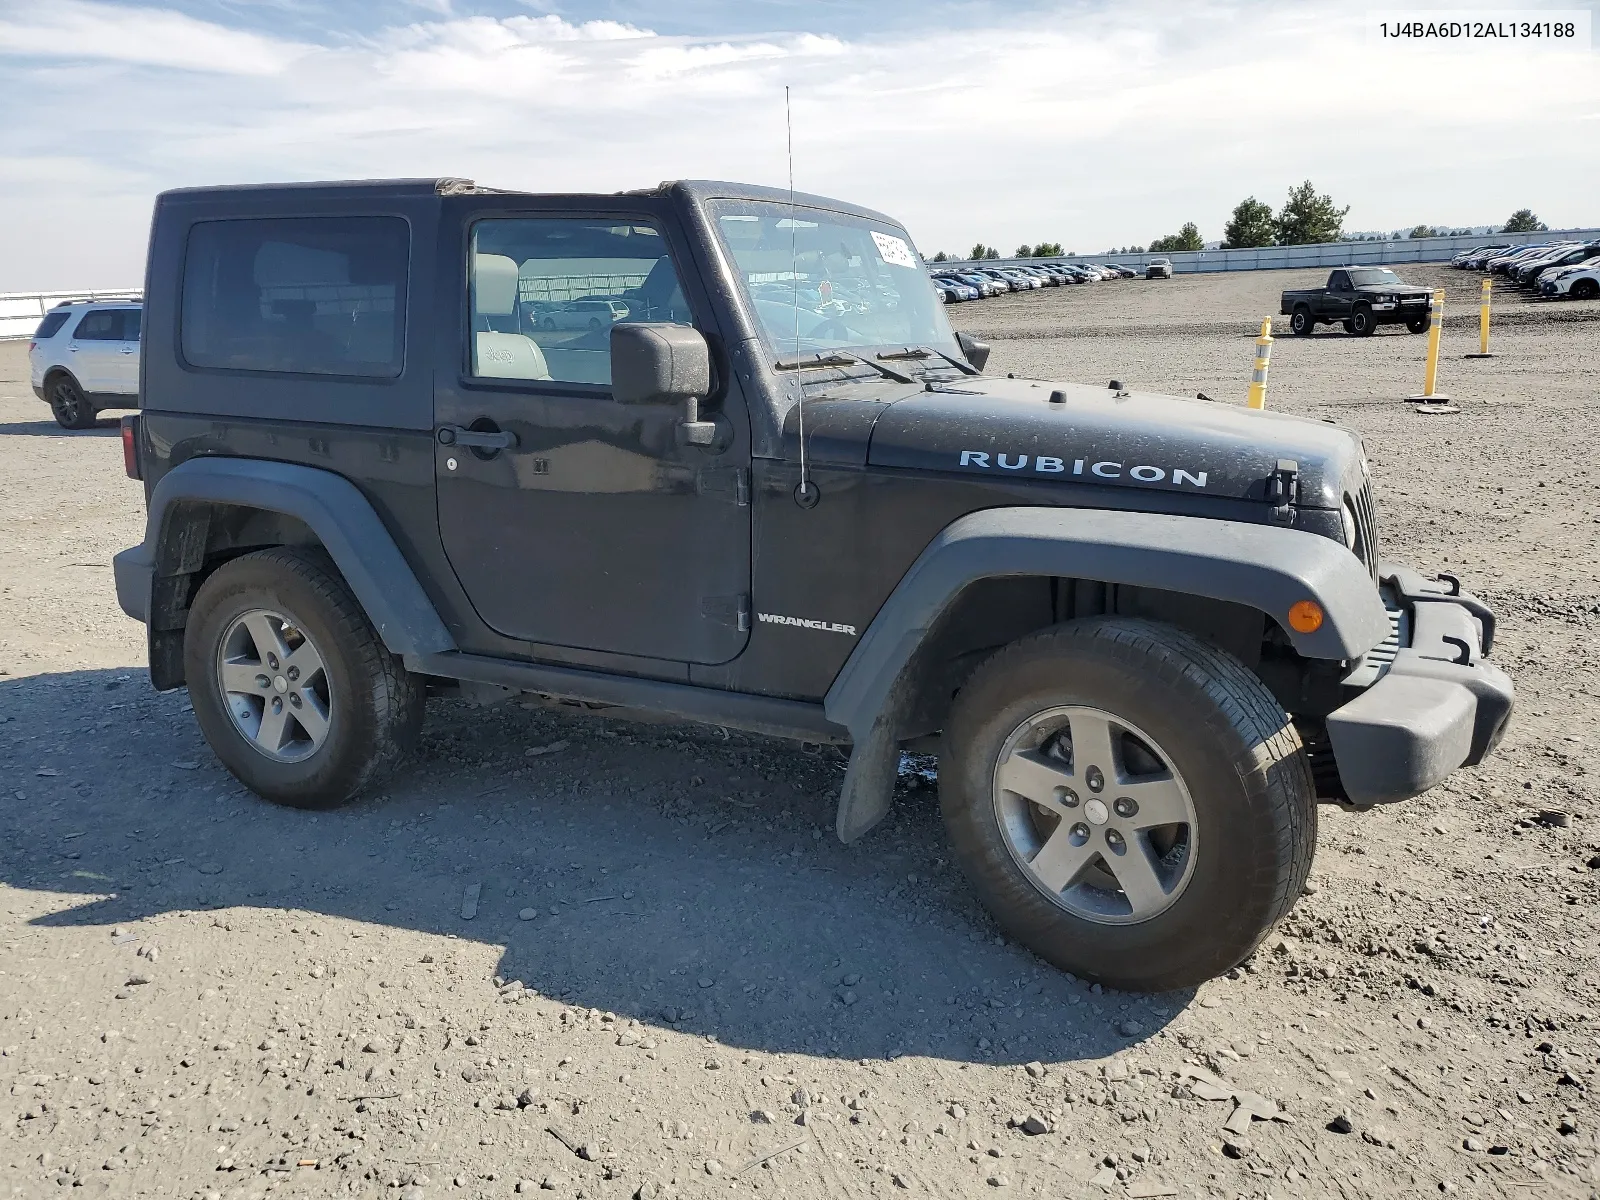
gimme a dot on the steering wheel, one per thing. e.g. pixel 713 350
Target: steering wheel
pixel 835 322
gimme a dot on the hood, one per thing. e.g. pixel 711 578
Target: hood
pixel 1010 428
pixel 1395 289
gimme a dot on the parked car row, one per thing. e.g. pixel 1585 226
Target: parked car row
pixel 1552 269
pixel 976 283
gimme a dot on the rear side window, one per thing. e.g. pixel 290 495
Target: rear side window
pixel 51 325
pixel 297 295
pixel 100 325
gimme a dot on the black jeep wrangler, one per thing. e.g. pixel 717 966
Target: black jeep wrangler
pixel 710 451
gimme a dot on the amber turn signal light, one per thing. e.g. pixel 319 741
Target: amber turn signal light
pixel 1305 616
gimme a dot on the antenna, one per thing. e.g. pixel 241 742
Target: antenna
pixel 804 495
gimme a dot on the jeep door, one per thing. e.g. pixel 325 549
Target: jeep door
pixel 573 520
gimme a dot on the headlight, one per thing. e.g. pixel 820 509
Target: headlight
pixel 1351 529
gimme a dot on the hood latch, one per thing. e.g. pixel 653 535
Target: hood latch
pixel 1283 491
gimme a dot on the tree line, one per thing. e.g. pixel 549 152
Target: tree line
pixel 1306 218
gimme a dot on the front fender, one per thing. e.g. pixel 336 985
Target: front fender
pixel 332 507
pixel 1264 567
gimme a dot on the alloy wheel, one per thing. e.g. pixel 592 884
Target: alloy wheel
pixel 274 685
pixel 1095 814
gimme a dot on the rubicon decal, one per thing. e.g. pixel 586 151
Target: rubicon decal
pixel 1044 464
pixel 803 623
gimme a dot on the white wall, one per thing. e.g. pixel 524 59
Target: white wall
pixel 20 312
pixel 1330 254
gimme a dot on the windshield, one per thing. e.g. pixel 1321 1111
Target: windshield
pixel 826 281
pixel 1367 276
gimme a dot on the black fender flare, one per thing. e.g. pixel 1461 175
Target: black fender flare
pixel 343 519
pixel 1265 567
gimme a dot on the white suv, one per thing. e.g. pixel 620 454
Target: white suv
pixel 85 357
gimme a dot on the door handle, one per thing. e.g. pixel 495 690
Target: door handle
pixel 455 435
pixel 72 349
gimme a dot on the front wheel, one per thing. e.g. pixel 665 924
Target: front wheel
pixel 1418 324
pixel 1302 323
pixel 1130 802
pixel 1585 289
pixel 1361 321
pixel 291 685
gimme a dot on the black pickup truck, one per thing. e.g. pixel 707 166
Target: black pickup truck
pixel 1360 298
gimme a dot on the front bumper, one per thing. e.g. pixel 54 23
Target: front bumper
pixel 1430 701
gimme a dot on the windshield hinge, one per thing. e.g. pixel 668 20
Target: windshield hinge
pixel 1283 491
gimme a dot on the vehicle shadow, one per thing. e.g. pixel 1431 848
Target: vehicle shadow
pixel 103 427
pixel 687 877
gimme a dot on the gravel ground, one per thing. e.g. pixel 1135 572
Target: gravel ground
pixel 592 958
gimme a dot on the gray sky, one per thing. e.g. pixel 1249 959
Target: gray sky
pixel 1095 125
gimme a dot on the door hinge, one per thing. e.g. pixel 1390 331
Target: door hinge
pixel 728 610
pixel 1283 491
pixel 724 483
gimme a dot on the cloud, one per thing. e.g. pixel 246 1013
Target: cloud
pixel 82 30
pixel 1093 127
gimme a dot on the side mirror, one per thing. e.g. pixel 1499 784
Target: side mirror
pixel 660 363
pixel 975 352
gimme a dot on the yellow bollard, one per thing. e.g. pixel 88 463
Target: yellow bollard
pixel 1431 400
pixel 1258 377
pixel 1483 325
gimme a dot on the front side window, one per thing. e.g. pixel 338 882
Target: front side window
pixel 297 295
pixel 544 293
pixel 820 281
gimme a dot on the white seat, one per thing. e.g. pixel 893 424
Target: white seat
pixel 494 294
pixel 510 356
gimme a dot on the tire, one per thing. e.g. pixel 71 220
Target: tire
pixel 1302 323
pixel 548 323
pixel 1230 874
pixel 71 408
pixel 1418 324
pixel 1361 321
pixel 373 706
pixel 1585 289
pixel 594 323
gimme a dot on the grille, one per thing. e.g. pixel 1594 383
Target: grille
pixel 1366 528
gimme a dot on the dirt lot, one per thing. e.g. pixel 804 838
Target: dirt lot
pixel 202 995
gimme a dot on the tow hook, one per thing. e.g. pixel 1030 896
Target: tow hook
pixel 1283 490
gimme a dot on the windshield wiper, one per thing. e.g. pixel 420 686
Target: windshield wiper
pixel 965 368
pixel 840 358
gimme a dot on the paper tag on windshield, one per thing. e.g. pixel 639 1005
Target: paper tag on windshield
pixel 894 251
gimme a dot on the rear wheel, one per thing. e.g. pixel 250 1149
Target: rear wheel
pixel 70 406
pixel 1301 322
pixel 290 684
pixel 1361 321
pixel 1130 803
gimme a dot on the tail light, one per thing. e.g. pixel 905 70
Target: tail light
pixel 130 446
